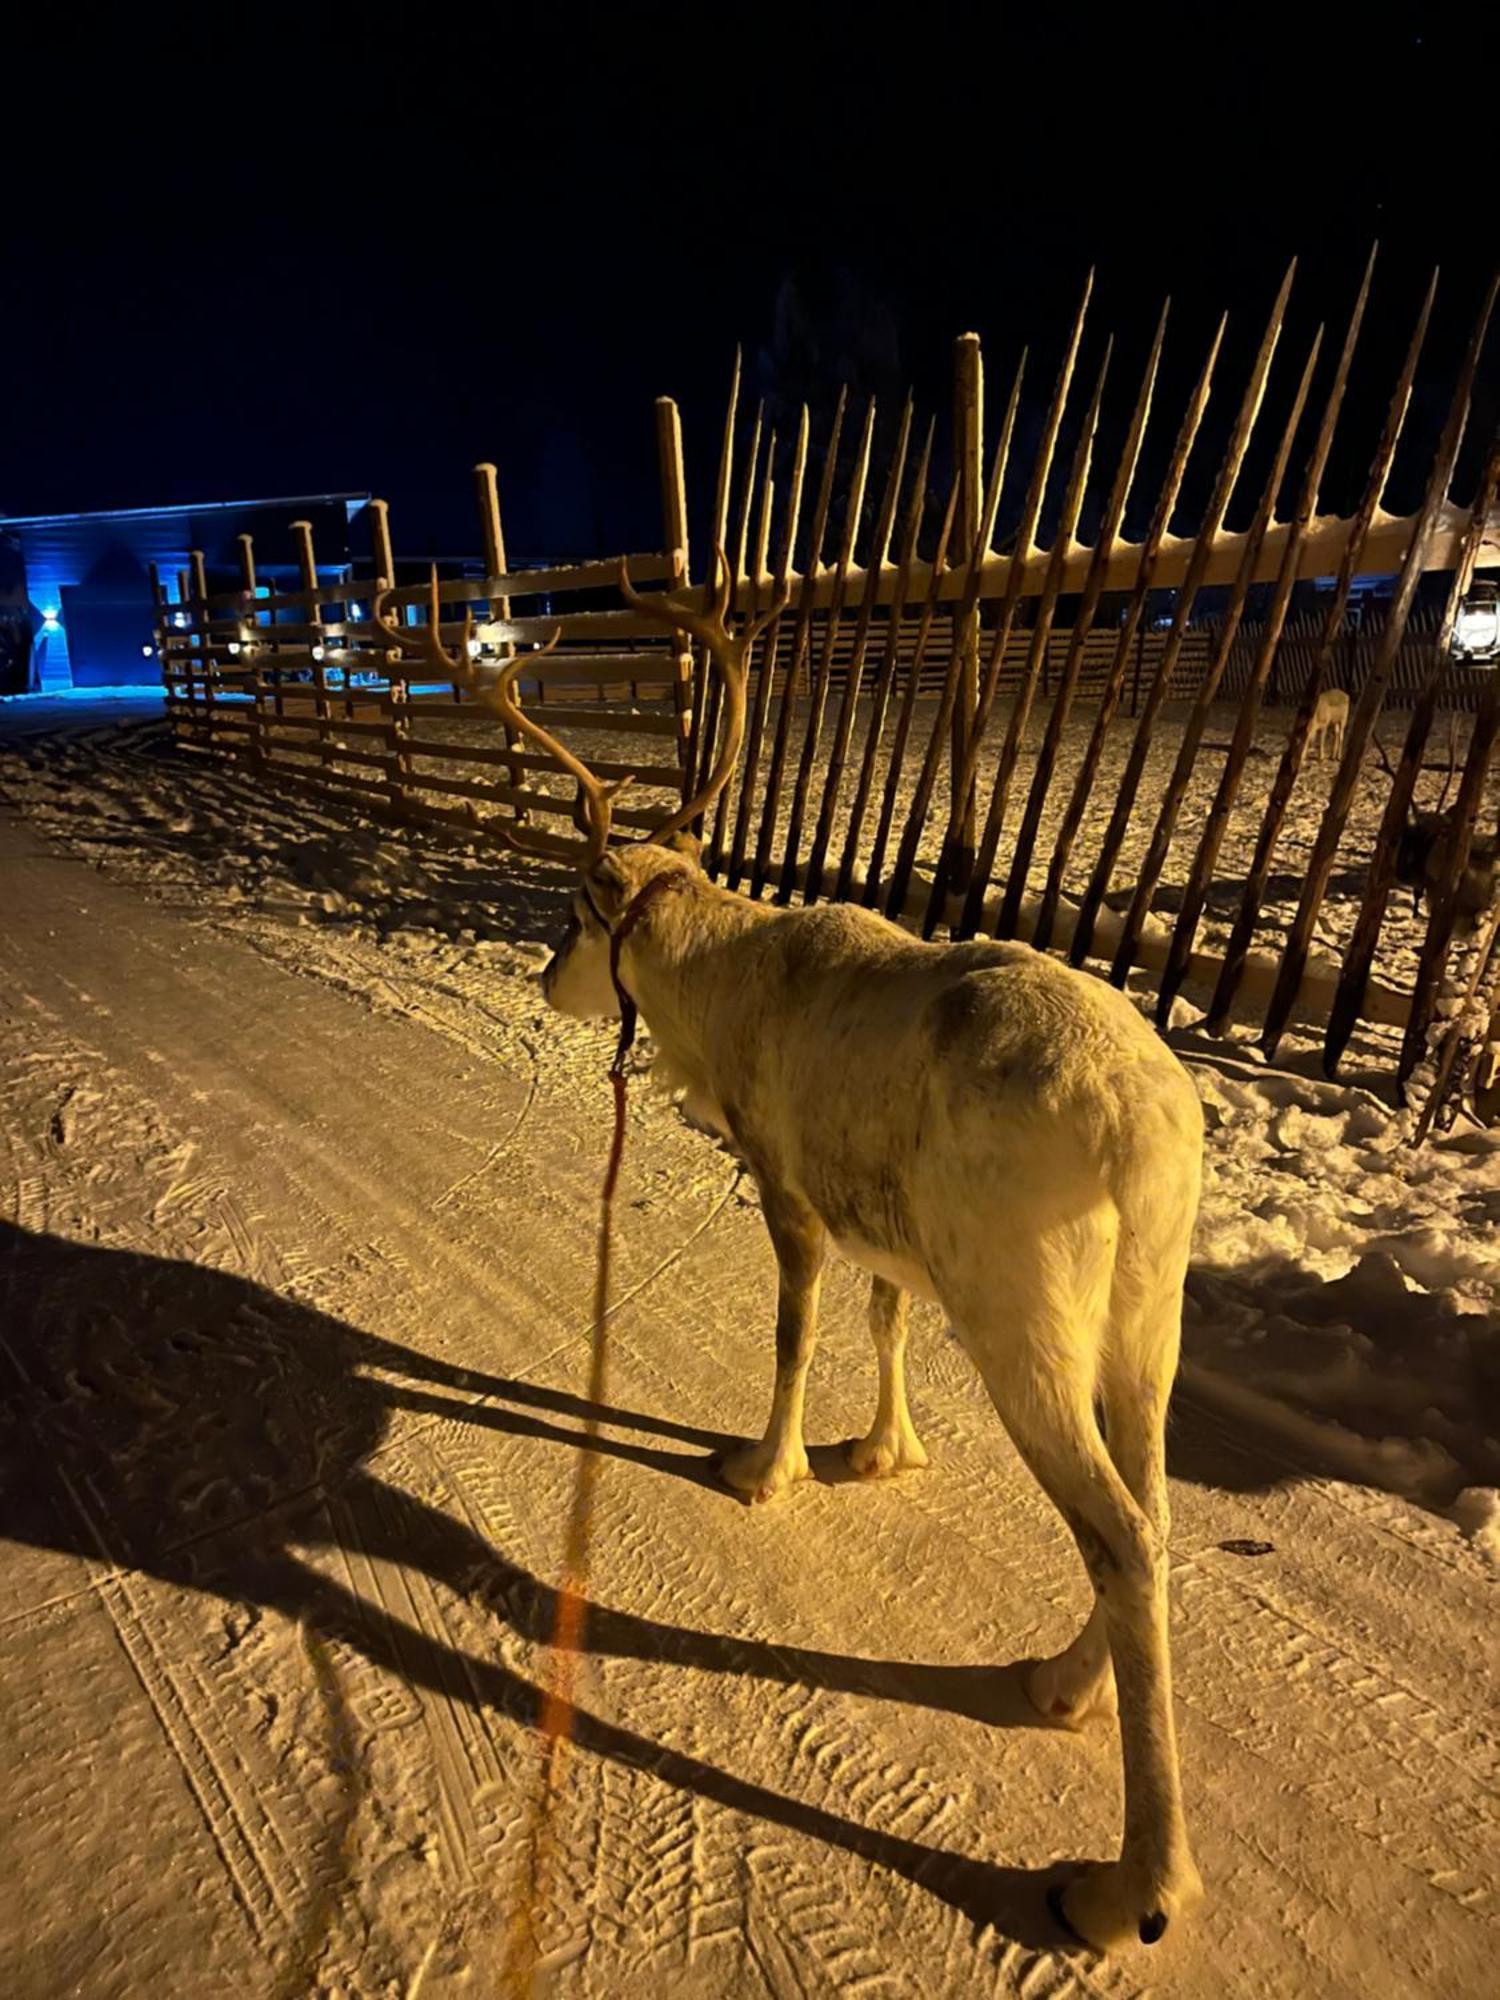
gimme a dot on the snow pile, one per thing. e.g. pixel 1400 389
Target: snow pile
pixel 1344 1287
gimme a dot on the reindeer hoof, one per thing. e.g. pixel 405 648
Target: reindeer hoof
pixel 882 1457
pixel 759 1476
pixel 1067 1694
pixel 1110 1907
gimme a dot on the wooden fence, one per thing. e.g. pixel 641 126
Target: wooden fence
pixel 1025 743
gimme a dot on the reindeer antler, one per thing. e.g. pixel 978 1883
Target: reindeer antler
pixel 731 653
pixel 425 642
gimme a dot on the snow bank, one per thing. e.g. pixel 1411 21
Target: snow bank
pixel 1344 1287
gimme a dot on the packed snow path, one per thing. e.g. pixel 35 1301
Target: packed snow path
pixel 295 1258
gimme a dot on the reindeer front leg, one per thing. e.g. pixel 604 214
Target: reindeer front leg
pixel 764 1470
pixel 893 1445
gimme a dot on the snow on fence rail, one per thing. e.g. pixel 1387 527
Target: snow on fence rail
pixel 1012 743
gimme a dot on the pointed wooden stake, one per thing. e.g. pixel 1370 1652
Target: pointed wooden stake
pixel 916 507
pixel 1083 624
pixel 853 510
pixel 770 646
pixel 875 567
pixel 1203 548
pixel 801 645
pixel 1366 710
pixel 1036 654
pixel 1237 951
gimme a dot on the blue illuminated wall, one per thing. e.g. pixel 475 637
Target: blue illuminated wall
pixel 92 573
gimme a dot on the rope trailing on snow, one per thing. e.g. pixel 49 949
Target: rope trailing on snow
pixel 558 1715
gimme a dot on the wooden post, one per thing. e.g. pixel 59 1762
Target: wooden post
pixel 801 645
pixel 1114 680
pixel 770 645
pixel 397 710
pixel 674 524
pixel 1204 860
pixel 312 614
pixel 1167 817
pixel 258 744
pixel 278 699
pixel 938 736
pixel 382 556
pixel 875 566
pixel 748 570
pixel 1041 634
pixel 1083 625
pixel 187 659
pixel 706 694
pixel 872 890
pixel 199 633
pixel 1444 899
pixel 487 495
pixel 1031 508
pixel 854 507
pixel 1161 680
pixel 968 446
pixel 160 627
pixel 1366 710
pixel 911 528
pixel 1355 976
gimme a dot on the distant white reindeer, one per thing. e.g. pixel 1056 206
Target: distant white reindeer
pixel 1330 718
pixel 975 1123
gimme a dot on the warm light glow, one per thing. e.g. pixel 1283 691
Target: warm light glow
pixel 317 652
pixel 1476 633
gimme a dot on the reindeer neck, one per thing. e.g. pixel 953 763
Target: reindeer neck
pixel 682 959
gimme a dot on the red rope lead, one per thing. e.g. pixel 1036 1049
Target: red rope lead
pixel 558 1715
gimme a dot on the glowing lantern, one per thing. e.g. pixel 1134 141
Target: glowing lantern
pixel 1476 632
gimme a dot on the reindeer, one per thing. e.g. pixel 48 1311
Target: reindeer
pixel 1330 718
pixel 975 1124
pixel 1425 850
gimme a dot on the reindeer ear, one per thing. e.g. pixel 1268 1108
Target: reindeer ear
pixel 608 886
pixel 687 844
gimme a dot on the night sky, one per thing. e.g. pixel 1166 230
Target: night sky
pixel 280 252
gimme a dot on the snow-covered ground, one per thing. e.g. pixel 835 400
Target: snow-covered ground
pixel 295 1261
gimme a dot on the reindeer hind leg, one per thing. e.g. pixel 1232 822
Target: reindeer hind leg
pixel 1042 1362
